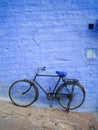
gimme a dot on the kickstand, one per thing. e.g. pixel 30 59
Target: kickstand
pixel 68 106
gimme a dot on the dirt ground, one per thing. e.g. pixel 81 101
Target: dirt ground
pixel 33 118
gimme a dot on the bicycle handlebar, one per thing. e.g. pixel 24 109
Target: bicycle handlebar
pixel 41 69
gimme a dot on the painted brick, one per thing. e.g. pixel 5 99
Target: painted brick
pixel 49 33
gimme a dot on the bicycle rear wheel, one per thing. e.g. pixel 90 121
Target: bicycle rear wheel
pixel 70 95
pixel 23 93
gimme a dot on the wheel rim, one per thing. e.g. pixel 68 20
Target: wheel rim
pixel 20 96
pixel 74 100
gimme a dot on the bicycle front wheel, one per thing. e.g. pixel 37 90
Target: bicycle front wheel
pixel 70 95
pixel 23 93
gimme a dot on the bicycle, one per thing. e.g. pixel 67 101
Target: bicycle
pixel 70 94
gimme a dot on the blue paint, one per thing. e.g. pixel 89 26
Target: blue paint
pixel 49 33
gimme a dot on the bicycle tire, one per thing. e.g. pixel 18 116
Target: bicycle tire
pixel 78 95
pixel 23 93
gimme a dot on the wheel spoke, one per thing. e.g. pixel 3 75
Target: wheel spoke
pixel 71 95
pixel 22 93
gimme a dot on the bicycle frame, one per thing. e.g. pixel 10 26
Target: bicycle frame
pixel 64 88
pixel 40 75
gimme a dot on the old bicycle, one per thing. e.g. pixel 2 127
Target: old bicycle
pixel 70 94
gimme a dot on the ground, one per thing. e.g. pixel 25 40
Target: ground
pixel 33 118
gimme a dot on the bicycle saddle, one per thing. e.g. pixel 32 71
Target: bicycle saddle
pixel 61 73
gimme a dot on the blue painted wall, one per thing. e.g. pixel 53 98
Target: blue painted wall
pixel 51 33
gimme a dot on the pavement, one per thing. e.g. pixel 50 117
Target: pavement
pixel 35 118
pixel 95 114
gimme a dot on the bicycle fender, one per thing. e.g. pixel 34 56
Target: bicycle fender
pixel 29 81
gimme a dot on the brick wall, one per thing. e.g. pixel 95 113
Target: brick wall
pixel 51 33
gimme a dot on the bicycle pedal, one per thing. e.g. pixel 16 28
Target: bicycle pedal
pixel 67 110
pixel 50 102
pixel 50 105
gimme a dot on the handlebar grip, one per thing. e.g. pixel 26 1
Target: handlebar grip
pixel 41 69
pixel 44 68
